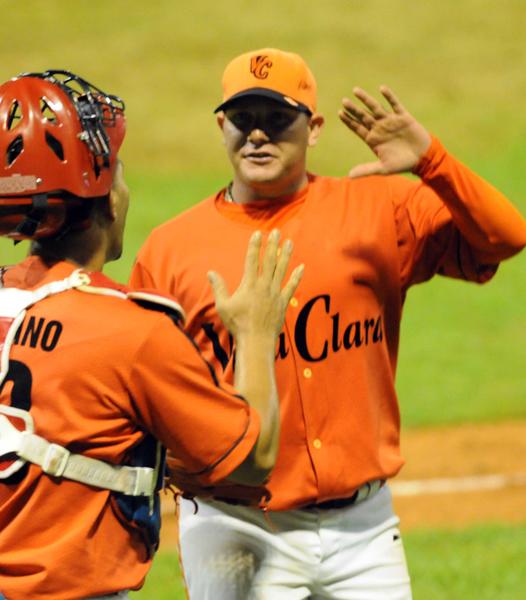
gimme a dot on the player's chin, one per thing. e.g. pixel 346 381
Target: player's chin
pixel 254 173
pixel 115 253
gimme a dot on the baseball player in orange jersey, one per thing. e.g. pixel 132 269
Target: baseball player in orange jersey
pixel 94 377
pixel 330 531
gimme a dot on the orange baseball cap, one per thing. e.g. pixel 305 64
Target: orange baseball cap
pixel 272 73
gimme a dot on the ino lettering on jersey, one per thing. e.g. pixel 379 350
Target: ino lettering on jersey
pixel 260 65
pixel 37 332
pixel 340 335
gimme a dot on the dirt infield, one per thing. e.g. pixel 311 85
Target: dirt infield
pixel 455 453
pixel 460 452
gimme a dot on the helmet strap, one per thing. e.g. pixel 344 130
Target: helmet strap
pixel 39 206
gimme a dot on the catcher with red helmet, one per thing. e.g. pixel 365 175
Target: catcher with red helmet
pixel 46 174
pixel 95 379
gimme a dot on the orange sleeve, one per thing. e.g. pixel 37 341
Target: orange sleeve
pixel 207 426
pixel 452 222
pixel 429 242
pixel 140 276
pixel 486 219
pixel 155 267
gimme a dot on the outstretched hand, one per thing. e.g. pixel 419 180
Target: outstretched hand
pixel 260 302
pixel 396 137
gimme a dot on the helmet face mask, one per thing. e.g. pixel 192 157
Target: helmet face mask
pixel 59 139
pixel 96 110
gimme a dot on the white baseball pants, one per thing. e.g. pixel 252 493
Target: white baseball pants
pixel 237 553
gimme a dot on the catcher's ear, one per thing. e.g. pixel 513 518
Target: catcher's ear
pixel 112 205
pixel 220 120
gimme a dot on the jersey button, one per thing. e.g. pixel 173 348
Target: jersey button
pixel 307 373
pixel 293 302
pixel 317 443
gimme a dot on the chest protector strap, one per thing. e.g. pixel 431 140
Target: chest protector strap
pixel 57 461
pixel 14 303
pixel 54 459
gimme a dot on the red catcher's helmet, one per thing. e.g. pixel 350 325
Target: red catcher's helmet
pixel 59 139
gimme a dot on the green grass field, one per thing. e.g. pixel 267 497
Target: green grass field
pixel 459 66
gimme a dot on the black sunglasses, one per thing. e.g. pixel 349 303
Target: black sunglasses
pixel 271 121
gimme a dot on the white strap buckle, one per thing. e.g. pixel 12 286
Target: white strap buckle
pixel 55 460
pixel 144 483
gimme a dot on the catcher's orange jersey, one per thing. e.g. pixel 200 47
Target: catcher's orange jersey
pixel 102 371
pixel 364 242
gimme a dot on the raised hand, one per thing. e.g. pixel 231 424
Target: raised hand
pixel 259 303
pixel 395 136
pixel 254 315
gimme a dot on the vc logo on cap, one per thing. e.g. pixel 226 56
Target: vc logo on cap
pixel 260 65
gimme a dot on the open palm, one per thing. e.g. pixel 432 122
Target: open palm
pixel 395 136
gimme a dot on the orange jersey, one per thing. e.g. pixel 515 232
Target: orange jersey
pixel 101 372
pixel 364 242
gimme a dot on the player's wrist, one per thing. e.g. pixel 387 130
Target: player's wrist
pixel 255 339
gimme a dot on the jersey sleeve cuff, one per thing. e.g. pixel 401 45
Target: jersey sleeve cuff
pixel 431 160
pixel 233 458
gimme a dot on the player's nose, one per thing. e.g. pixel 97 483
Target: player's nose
pixel 257 136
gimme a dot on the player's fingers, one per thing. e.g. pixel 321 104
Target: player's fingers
pixel 372 103
pixel 357 113
pixel 283 262
pixel 218 285
pixel 353 124
pixel 270 256
pixel 290 287
pixel 390 96
pixel 252 258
